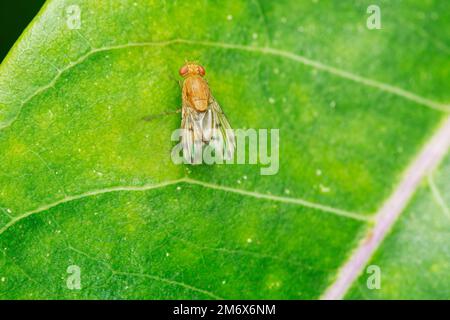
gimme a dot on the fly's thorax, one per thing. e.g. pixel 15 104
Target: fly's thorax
pixel 196 93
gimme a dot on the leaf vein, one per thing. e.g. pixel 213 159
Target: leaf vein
pixel 263 50
pixel 438 196
pixel 296 201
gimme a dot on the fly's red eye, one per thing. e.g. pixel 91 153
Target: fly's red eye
pixel 183 71
pixel 201 70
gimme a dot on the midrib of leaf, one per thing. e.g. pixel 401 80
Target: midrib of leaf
pixel 145 275
pixel 426 161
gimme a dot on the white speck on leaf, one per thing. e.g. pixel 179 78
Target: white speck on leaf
pixel 275 284
pixel 324 189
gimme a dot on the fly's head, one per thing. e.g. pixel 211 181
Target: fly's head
pixel 191 69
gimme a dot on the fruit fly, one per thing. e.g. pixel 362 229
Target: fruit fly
pixel 203 121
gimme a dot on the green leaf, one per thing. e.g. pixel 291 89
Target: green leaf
pixel 85 181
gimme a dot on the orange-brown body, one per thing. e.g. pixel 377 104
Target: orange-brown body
pixel 196 93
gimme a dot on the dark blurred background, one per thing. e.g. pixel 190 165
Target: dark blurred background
pixel 15 15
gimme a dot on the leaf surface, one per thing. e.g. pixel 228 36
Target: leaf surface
pixel 85 181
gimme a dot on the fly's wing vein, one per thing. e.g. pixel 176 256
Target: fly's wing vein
pixel 209 127
pixel 223 134
pixel 191 136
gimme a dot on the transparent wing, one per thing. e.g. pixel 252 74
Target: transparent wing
pixel 191 136
pixel 220 132
pixel 209 127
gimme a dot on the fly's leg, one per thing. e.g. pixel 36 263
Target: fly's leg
pixel 160 115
